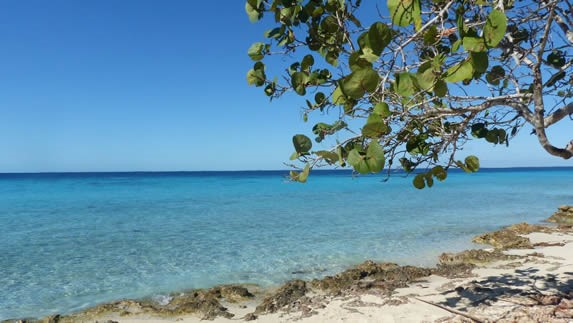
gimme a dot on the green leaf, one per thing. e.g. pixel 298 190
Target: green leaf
pixel 256 51
pixel 251 8
pixel 472 164
pixel 320 98
pixel 369 55
pixel 404 12
pixel 405 84
pixel 459 72
pixel 419 181
pixel 382 109
pixel 379 36
pixel 256 77
pixel 440 89
pixel 431 36
pixel 304 174
pixel 356 61
pixel 480 62
pixel 556 59
pixel 555 78
pixel 478 130
pixel 359 82
pixel 496 74
pixel 440 173
pixel 356 160
pixel 329 156
pixel 306 63
pixel 375 157
pixel 494 28
pixel 426 76
pixel 474 44
pixel 301 143
pixel 338 98
pixel 299 80
pixel 375 127
pixel 429 179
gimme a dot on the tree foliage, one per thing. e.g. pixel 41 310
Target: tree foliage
pixel 413 87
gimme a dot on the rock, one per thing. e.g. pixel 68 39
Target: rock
pixel 386 276
pixel 203 302
pixel 52 319
pixel 250 317
pixel 455 270
pixel 475 257
pixel 504 239
pixel 564 215
pixel 231 293
pixel 526 228
pixel 288 294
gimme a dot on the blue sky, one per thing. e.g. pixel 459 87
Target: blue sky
pixel 145 85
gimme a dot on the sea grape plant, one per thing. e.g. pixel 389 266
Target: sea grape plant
pixel 411 88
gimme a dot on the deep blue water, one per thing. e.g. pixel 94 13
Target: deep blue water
pixel 69 241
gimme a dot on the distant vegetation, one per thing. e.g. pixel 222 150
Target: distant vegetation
pixel 412 88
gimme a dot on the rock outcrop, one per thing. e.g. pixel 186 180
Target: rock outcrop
pixel 564 215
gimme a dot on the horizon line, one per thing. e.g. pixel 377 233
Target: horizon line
pixel 256 170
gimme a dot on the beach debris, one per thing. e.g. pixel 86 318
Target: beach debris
pixel 504 239
pixel 287 295
pixel 385 276
pixel 564 215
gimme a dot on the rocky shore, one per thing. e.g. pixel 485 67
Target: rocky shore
pixel 526 275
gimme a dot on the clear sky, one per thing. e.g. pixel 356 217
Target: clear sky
pixel 109 85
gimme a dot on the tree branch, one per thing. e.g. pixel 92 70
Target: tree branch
pixel 558 115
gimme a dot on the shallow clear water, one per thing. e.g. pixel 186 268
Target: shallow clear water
pixel 68 241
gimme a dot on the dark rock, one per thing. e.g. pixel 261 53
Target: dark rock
pixel 250 317
pixel 504 239
pixel 288 294
pixel 459 270
pixel 564 215
pixel 475 257
pixel 386 276
pixel 231 293
pixel 52 319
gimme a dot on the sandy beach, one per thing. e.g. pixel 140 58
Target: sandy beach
pixel 526 276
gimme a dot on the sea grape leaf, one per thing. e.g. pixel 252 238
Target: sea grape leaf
pixel 472 164
pixel 426 76
pixel 480 61
pixel 299 80
pixel 256 51
pixel 375 127
pixel 404 12
pixel 495 75
pixel 419 181
pixel 459 72
pixel 440 173
pixel 494 28
pixel 302 144
pixel 359 82
pixel 382 109
pixel 379 36
pixel 474 44
pixel 405 84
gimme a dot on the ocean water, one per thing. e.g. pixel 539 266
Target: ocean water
pixel 70 241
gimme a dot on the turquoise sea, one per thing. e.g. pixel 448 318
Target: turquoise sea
pixel 70 241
